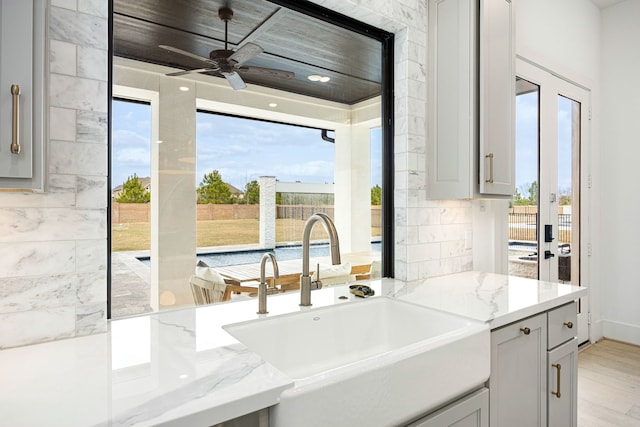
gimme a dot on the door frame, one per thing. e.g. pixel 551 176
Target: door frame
pixel 551 85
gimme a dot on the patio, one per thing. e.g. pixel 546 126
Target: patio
pixel 131 279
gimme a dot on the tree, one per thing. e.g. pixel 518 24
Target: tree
pixel 376 195
pixel 252 193
pixel 533 193
pixel 133 192
pixel 213 189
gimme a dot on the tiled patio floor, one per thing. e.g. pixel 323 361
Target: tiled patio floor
pixel 130 284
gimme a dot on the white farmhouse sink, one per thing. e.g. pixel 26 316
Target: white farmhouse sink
pixel 378 361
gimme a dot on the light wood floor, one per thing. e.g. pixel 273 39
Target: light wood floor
pixel 609 385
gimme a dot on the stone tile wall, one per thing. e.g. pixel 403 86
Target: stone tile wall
pixel 53 277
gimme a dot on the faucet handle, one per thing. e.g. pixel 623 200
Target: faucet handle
pixel 317 284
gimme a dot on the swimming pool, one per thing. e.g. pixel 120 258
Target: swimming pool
pixel 253 256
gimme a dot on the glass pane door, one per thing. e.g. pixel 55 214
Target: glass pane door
pixel 523 209
pixel 551 131
pixel 568 190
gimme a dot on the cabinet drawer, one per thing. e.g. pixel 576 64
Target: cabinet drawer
pixel 562 324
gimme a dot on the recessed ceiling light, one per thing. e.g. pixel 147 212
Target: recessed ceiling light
pixel 184 88
pixel 318 78
pixel 159 141
pixel 273 105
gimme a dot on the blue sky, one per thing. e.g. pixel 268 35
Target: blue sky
pixel 131 139
pixel 240 149
pixel 527 142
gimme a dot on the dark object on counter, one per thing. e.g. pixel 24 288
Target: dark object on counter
pixel 361 291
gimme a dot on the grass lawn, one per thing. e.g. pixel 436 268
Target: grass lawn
pixel 137 235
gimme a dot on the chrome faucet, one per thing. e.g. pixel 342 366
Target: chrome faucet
pixel 262 287
pixel 305 280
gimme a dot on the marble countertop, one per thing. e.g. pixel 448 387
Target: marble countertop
pixel 492 298
pixel 181 368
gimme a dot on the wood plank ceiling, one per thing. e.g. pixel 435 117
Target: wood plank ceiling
pixel 291 41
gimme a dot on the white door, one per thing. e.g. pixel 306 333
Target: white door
pixel 555 220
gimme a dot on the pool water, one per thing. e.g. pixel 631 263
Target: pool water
pixel 251 257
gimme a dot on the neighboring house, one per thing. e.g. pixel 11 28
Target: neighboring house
pixel 146 183
pixel 235 193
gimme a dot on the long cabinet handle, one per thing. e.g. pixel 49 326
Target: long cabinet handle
pixel 490 157
pixel 558 367
pixel 15 125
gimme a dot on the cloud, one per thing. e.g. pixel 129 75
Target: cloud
pixel 127 138
pixel 132 156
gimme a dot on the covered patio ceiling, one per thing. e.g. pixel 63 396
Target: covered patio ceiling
pixel 291 41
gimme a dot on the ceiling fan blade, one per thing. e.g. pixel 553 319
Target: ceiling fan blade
pixel 235 81
pixel 198 70
pixel 270 72
pixel 189 54
pixel 245 53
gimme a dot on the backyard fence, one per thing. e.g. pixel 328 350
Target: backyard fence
pixel 122 213
pixel 524 227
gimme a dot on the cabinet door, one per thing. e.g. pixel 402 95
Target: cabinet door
pixel 22 28
pixel 497 97
pixel 562 395
pixel 452 86
pixel 470 411
pixel 519 374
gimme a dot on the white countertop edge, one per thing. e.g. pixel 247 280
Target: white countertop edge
pixel 208 415
pixel 523 313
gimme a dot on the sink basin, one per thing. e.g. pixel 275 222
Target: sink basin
pixel 378 361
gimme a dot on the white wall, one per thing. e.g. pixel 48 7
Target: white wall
pixel 563 34
pixel 620 154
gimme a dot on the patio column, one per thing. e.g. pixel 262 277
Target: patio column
pixel 173 195
pixel 268 212
pixel 352 189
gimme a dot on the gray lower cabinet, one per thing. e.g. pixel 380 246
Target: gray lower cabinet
pixel 519 374
pixel 534 370
pixel 469 411
pixel 562 367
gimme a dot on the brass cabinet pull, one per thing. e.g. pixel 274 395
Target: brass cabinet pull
pixel 557 393
pixel 568 324
pixel 526 331
pixel 15 136
pixel 490 157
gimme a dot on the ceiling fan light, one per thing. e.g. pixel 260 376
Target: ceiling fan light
pixel 315 78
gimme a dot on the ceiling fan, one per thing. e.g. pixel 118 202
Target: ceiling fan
pixel 227 63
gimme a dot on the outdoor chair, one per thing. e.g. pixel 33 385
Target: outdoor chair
pixel 335 274
pixel 208 292
pixel 374 272
pixel 208 286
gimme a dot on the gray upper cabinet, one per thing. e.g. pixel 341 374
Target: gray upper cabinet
pixel 471 109
pixel 22 64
